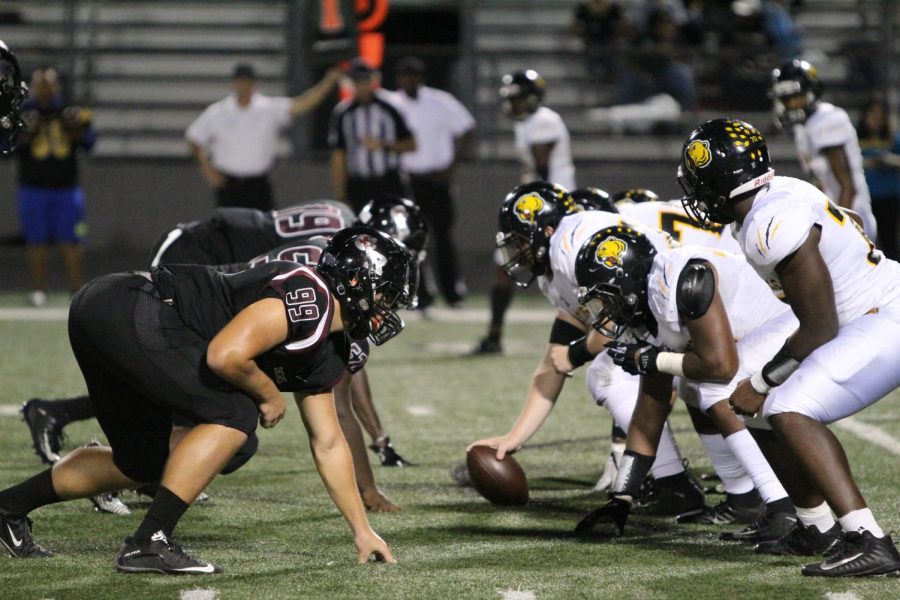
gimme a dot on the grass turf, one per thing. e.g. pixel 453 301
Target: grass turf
pixel 277 535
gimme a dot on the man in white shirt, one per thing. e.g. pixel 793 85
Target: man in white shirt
pixel 235 140
pixel 442 127
pixel 542 144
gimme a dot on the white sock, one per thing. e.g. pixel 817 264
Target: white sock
pixel 820 516
pixel 726 464
pixel 756 466
pixel 861 520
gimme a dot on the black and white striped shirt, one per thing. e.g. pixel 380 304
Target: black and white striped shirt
pixel 352 121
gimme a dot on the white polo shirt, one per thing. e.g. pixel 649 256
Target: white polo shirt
pixel 436 118
pixel 242 141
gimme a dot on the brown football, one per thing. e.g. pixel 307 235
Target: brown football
pixel 502 482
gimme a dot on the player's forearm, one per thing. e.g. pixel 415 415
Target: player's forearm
pixel 335 466
pixel 315 95
pixel 244 374
pixel 545 388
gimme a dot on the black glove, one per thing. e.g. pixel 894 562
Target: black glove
pixel 616 510
pixel 638 358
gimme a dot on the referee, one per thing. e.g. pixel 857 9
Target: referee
pixel 367 134
pixel 235 140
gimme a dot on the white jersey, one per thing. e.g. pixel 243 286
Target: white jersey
pixel 827 127
pixel 779 222
pixel 545 126
pixel 747 300
pixel 572 233
pixel 670 217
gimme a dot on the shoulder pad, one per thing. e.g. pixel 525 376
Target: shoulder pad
pixel 696 289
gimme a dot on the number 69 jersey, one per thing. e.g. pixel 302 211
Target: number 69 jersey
pixel 670 217
pixel 573 231
pixel 779 222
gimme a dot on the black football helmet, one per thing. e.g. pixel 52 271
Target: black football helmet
pixel 401 219
pixel 368 271
pixel 13 92
pixel 611 269
pixel 795 78
pixel 635 196
pixel 528 85
pixel 591 198
pixel 525 214
pixel 721 161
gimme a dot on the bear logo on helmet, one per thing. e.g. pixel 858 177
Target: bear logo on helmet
pixel 610 251
pixel 698 154
pixel 527 207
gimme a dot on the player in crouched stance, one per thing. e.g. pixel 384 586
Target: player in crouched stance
pixel 217 349
pixel 842 357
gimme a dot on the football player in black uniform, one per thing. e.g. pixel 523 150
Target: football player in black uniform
pixel 13 92
pixel 217 349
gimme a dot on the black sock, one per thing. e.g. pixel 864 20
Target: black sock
pixel 746 500
pixel 163 514
pixel 500 299
pixel 21 499
pixel 632 471
pixel 76 409
pixel 782 505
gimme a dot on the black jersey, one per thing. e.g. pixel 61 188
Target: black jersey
pixel 311 359
pixel 234 235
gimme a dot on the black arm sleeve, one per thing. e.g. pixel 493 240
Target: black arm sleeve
pixel 696 289
pixel 564 333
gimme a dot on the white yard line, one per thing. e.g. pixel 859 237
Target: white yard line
pixel 199 594
pixel 517 594
pixel 10 410
pixel 34 314
pixel 870 433
pixel 419 410
pixel 841 596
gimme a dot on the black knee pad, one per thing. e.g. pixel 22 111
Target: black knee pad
pixel 244 454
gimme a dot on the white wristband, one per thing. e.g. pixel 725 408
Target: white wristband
pixel 671 363
pixel 759 384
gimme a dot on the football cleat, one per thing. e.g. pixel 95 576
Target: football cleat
pixel 46 433
pixel 770 527
pixel 487 346
pixel 160 555
pixel 15 536
pixel 615 511
pixel 858 554
pixel 388 456
pixel 670 496
pixel 802 541
pixel 109 502
pixel 723 513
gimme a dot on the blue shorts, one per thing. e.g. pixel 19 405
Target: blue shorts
pixel 51 215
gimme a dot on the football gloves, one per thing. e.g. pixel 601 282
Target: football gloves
pixel 616 511
pixel 638 358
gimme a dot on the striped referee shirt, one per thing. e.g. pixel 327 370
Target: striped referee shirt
pixel 351 122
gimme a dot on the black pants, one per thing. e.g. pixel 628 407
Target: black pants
pixel 436 202
pixel 362 189
pixel 246 192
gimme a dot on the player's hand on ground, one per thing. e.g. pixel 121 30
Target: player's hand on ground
pixel 745 400
pixel 375 501
pixel 271 412
pixel 559 357
pixel 615 511
pixel 503 444
pixel 371 546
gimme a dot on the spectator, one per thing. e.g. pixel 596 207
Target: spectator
pixel 655 64
pixel 235 140
pixel 598 23
pixel 367 135
pixel 880 146
pixel 442 127
pixel 51 202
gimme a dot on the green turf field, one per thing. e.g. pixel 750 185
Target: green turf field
pixel 274 530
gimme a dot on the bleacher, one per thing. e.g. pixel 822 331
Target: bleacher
pixel 149 67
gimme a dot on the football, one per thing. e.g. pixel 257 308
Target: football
pixel 501 482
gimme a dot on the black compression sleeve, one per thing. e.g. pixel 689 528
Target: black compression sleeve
pixel 564 333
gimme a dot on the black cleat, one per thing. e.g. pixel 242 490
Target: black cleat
pixel 615 511
pixel 487 346
pixel 723 513
pixel 802 541
pixel 669 496
pixel 15 536
pixel 388 456
pixel 770 527
pixel 46 433
pixel 858 554
pixel 160 555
